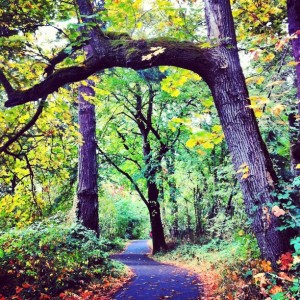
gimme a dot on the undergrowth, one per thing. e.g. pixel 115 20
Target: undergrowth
pixel 234 271
pixel 51 258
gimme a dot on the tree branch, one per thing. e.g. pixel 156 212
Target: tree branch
pixel 25 128
pixel 135 54
pixel 125 174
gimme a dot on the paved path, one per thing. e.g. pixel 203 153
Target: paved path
pixel 155 281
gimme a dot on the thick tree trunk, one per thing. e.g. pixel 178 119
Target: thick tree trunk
pixel 158 237
pixel 293 10
pixel 249 153
pixel 87 193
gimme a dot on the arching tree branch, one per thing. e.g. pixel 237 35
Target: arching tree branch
pixel 135 54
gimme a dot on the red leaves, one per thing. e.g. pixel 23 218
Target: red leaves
pixel 286 261
pixel 86 294
pixel 26 285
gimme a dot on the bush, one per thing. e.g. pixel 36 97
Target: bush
pixel 48 258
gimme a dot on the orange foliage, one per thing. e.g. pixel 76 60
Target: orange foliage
pixel 275 289
pixel 286 261
pixel 266 266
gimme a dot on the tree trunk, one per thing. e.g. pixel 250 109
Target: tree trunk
pixel 293 10
pixel 152 167
pixel 198 211
pixel 158 237
pixel 87 193
pixel 249 153
pixel 170 161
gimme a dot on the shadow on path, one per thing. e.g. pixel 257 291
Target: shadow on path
pixel 154 280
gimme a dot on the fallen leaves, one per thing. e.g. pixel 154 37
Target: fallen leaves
pixel 286 261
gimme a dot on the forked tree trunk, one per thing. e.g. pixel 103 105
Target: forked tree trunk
pixel 293 10
pixel 249 153
pixel 152 169
pixel 87 193
pixel 158 237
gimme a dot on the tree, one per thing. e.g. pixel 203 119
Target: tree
pixel 87 192
pixel 219 66
pixel 136 94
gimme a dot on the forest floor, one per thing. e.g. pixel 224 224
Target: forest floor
pixel 154 280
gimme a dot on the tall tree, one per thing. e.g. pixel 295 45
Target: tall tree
pixel 87 192
pixel 249 152
pixel 137 97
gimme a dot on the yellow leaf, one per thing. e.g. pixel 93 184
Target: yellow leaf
pixel 139 25
pixel 269 57
pixel 297 166
pixel 277 109
pixel 278 82
pixel 246 175
pixel 191 143
pixel 292 63
pixel 205 45
pixel 260 80
pixel 208 102
pixel 177 120
pixel 208 145
pixel 261 99
pixel 217 128
pixel 201 152
pixel 258 113
pixel 175 93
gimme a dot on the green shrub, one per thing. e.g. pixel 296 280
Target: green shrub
pixel 51 257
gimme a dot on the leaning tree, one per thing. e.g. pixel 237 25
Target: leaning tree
pixel 218 65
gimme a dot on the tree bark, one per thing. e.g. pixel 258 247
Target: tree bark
pixel 293 10
pixel 242 134
pixel 170 161
pixel 87 193
pixel 158 237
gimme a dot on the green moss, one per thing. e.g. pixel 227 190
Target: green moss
pixel 117 35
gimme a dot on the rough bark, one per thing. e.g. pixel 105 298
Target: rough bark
pixel 242 133
pixel 87 193
pixel 158 237
pixel 293 10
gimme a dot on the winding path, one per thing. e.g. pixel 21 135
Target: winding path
pixel 154 280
